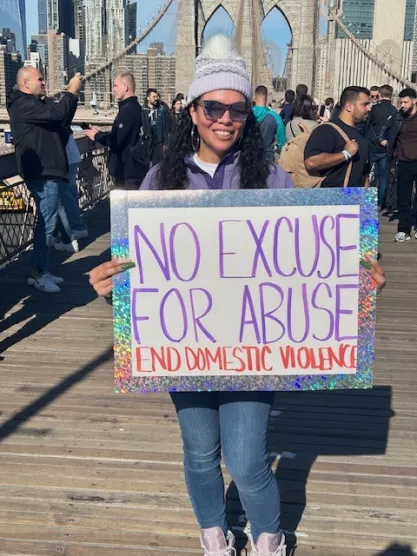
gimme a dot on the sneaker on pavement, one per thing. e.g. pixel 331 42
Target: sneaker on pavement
pixel 55 279
pixel 269 545
pixel 415 234
pixel 401 237
pixel 44 284
pixel 80 234
pixel 70 247
pixel 216 544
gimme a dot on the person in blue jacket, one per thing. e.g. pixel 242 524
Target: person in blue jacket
pixel 271 124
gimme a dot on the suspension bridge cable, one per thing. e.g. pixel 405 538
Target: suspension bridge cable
pixel 379 63
pixel 141 37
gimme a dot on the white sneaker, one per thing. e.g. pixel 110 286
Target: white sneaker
pixel 269 545
pixel 80 234
pixel 70 247
pixel 415 235
pixel 44 284
pixel 216 544
pixel 55 279
pixel 401 237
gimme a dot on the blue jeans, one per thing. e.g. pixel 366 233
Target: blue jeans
pixel 380 160
pixel 232 424
pixel 47 196
pixel 70 200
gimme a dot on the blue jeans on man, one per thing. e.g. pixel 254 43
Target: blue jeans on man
pixel 70 200
pixel 380 163
pixel 47 194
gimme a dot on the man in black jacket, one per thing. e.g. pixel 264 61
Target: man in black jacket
pixel 381 114
pixel 402 144
pixel 124 135
pixel 158 117
pixel 37 125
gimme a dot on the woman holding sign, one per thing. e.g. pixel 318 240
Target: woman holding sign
pixel 217 145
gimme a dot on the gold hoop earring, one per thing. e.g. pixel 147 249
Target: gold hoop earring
pixel 195 139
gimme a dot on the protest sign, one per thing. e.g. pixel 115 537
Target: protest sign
pixel 244 290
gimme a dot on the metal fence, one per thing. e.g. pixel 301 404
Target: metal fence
pixel 17 209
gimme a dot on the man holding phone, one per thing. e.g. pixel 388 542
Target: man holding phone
pixel 38 124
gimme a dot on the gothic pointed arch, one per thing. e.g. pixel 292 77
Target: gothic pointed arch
pixel 302 17
pixel 221 11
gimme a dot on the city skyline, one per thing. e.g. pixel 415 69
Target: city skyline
pixel 275 27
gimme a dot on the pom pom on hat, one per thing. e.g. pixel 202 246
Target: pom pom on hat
pixel 219 66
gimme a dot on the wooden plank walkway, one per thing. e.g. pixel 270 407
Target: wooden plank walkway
pixel 87 472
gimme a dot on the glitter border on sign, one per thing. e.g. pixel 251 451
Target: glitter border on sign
pixel 121 201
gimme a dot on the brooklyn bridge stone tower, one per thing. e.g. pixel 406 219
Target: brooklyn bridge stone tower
pixel 247 15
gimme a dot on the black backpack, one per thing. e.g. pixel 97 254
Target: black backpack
pixel 142 151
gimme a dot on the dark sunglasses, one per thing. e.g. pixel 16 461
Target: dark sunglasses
pixel 374 96
pixel 214 110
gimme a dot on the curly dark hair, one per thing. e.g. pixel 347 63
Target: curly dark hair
pixel 254 168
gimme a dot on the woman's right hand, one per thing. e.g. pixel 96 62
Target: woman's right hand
pixel 101 277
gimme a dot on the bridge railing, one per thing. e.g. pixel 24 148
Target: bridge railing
pixel 17 208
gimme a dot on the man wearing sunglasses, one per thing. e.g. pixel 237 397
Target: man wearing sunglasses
pixel 271 124
pixel 374 96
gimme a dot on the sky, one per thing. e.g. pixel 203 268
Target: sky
pixel 275 29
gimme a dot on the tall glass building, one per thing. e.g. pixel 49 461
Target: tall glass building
pixel 58 15
pixel 13 16
pixel 42 17
pixel 22 8
pixel 410 12
pixel 358 16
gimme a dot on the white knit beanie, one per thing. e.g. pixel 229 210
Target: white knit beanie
pixel 219 66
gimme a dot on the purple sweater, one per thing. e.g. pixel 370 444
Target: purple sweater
pixel 227 176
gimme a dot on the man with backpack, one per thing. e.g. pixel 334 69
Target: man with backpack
pixel 378 122
pixel 270 123
pixel 125 137
pixel 337 151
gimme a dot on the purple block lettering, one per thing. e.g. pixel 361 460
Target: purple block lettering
pixel 247 303
pixel 298 241
pixel 222 252
pixel 277 246
pixel 327 244
pixel 270 313
pixel 319 308
pixel 183 315
pixel 135 317
pixel 291 318
pixel 197 318
pixel 340 312
pixel 163 261
pixel 173 251
pixel 259 253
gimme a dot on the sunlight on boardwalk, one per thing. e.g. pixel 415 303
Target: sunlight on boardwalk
pixel 87 472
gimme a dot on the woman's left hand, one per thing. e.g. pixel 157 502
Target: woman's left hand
pixel 376 272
